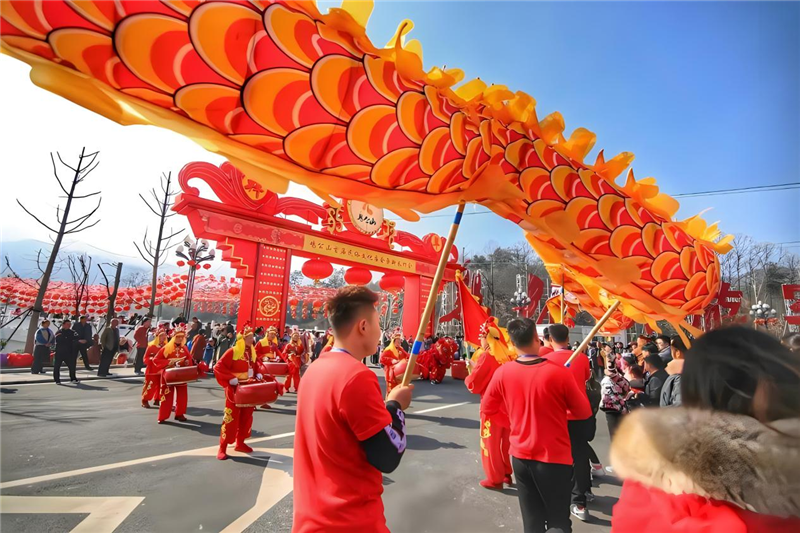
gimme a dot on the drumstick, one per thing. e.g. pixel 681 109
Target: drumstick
pixel 431 303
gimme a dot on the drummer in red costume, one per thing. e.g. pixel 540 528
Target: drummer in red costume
pixel 393 354
pixel 293 354
pixel 174 354
pixel 495 431
pixel 267 348
pixel 237 365
pixel 267 351
pixel 151 390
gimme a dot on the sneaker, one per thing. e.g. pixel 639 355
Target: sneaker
pixel 580 512
pixel 589 496
pixel 75 381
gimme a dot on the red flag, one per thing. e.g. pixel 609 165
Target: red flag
pixel 473 315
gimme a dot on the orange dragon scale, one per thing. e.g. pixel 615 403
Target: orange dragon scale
pixel 288 93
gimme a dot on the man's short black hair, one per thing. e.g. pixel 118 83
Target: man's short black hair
pixel 346 305
pixel 650 348
pixel 559 333
pixel 664 338
pixel 655 361
pixel 522 331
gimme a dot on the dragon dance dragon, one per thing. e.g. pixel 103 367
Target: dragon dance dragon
pixel 288 93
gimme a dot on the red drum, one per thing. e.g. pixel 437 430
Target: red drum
pixel 254 394
pixel 400 369
pixel 459 370
pixel 181 375
pixel 276 368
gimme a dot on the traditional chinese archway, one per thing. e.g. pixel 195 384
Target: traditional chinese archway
pixel 252 231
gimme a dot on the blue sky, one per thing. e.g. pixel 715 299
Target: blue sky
pixel 706 94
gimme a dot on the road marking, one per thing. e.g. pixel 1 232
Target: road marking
pixel 276 483
pixel 123 464
pixel 143 460
pixel 105 513
pixel 432 409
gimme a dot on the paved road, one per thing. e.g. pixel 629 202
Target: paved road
pixel 89 458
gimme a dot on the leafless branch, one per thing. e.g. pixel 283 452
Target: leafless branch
pixel 148 261
pixel 36 218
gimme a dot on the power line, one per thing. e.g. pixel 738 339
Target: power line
pixel 740 190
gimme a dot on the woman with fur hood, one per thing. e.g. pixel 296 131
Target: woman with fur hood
pixel 728 459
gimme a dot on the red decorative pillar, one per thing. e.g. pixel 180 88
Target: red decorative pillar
pixel 414 299
pixel 270 287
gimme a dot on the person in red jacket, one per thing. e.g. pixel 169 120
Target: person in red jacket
pixel 581 428
pixel 174 354
pixel 151 389
pixel 495 431
pixel 293 354
pixel 728 459
pixel 535 395
pixel 237 365
pixel 393 354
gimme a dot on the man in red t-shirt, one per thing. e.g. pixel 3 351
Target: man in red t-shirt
pixel 581 428
pixel 535 394
pixel 345 435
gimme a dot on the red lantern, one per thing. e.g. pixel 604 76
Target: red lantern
pixel 293 306
pixel 317 269
pixel 233 290
pixel 357 276
pixel 392 282
pixel 207 266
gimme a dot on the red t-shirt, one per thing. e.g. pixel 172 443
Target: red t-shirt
pixel 335 488
pixel 544 350
pixel 579 368
pixel 536 396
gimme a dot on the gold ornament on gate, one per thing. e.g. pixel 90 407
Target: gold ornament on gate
pixel 268 306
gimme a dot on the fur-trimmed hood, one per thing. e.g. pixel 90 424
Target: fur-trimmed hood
pixel 717 455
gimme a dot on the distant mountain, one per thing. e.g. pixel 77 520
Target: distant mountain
pixel 22 258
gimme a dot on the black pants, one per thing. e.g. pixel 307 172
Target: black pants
pixel 105 362
pixel 580 433
pixel 613 419
pixel 70 358
pixel 41 354
pixel 139 362
pixel 83 350
pixel 543 491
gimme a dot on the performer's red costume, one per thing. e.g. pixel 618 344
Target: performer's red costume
pixel 495 430
pixel 151 390
pixel 393 354
pixel 439 359
pixel 267 348
pixel 236 365
pixel 267 351
pixel 173 354
pixel 293 354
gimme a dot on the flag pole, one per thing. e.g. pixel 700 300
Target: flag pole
pixel 592 333
pixel 431 303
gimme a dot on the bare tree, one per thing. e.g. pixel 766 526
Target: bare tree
pixel 79 267
pixel 66 226
pixel 153 251
pixel 112 293
pixel 134 279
